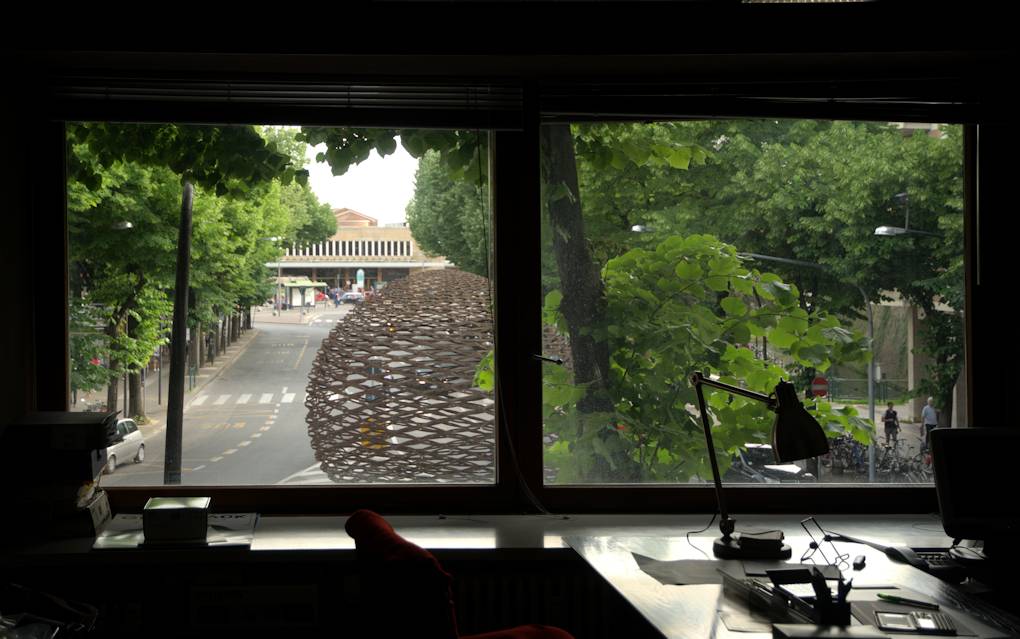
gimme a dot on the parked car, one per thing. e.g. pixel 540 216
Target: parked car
pixel 352 297
pixel 757 463
pixel 129 445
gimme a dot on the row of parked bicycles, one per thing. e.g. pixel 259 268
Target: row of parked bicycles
pixel 849 457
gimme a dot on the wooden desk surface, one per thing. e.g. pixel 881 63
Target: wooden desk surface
pixel 690 611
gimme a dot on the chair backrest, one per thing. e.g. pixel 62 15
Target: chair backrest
pixel 404 590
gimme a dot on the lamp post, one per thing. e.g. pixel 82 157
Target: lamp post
pixel 871 346
pixel 893 231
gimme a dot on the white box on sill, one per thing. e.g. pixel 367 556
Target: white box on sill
pixel 175 519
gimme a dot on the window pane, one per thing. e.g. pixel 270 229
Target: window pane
pixel 313 358
pixel 753 251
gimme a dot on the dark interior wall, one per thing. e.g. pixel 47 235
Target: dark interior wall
pixel 16 352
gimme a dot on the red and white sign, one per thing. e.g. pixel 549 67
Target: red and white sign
pixel 819 387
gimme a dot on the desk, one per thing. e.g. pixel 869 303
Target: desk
pixel 681 612
pixel 300 559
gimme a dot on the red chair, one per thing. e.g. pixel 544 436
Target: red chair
pixel 405 591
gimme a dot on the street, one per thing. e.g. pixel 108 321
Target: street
pixel 247 425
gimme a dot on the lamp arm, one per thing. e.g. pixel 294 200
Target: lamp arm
pixel 725 523
pixel 697 379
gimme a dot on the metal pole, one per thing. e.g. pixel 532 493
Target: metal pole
pixel 178 346
pixel 159 376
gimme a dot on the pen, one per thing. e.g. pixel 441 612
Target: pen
pixel 907 602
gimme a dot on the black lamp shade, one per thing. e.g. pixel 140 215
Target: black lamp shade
pixel 796 434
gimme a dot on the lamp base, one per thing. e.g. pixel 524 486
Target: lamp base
pixel 730 548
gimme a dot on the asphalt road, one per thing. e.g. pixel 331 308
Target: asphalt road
pixel 247 426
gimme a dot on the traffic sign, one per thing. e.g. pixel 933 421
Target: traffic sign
pixel 819 387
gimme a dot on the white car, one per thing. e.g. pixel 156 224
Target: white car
pixel 129 445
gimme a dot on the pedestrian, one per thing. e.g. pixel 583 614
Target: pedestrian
pixel 892 425
pixel 929 420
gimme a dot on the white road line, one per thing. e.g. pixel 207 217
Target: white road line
pixel 284 391
pixel 243 399
pixel 256 434
pixel 288 398
pixel 198 467
pixel 266 398
pixel 199 400
pixel 230 451
pixel 216 459
pixel 245 443
pixel 265 428
pixel 221 400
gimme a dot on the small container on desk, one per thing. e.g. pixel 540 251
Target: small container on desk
pixel 167 520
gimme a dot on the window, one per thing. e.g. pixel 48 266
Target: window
pixel 539 443
pixel 753 251
pixel 304 367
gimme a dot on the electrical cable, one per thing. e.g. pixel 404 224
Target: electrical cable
pixel 695 532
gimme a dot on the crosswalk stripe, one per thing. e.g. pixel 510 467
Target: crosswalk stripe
pixel 222 399
pixel 266 398
pixel 199 400
pixel 288 398
pixel 243 399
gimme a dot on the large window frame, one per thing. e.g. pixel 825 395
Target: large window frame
pixel 514 184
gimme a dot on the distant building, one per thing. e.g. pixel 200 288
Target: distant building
pixel 382 253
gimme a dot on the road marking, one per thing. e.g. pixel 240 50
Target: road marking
pixel 276 410
pixel 266 398
pixel 245 443
pixel 265 428
pixel 243 399
pixel 199 400
pixel 239 424
pixel 198 467
pixel 221 400
pixel 284 390
pixel 216 459
pixel 256 434
pixel 230 451
pixel 300 355
pixel 288 398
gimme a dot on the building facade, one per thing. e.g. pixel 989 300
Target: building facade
pixel 380 253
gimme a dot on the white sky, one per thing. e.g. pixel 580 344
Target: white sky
pixel 379 187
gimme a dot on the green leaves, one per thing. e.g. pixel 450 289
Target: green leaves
pixel 689 304
pixel 733 306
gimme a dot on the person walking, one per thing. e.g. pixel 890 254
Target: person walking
pixel 929 420
pixel 892 425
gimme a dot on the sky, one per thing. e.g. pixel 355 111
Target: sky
pixel 378 187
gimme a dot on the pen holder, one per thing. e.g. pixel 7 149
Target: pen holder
pixel 833 614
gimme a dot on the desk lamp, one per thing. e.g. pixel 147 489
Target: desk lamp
pixel 795 435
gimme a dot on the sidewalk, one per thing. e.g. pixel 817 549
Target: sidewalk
pixel 155 411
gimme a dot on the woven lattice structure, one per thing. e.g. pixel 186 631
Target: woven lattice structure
pixel 391 395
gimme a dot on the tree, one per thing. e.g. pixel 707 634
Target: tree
pixel 690 304
pixel 450 217
pixel 125 278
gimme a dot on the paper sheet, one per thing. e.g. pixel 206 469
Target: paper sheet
pixel 225 529
pixel 684 572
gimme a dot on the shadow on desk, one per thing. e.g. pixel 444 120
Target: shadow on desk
pixel 227 593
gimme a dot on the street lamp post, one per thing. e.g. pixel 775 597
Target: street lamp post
pixel 871 347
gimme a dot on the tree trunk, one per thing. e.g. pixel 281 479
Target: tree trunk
pixel 583 304
pixel 136 398
pixel 198 346
pixel 113 388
